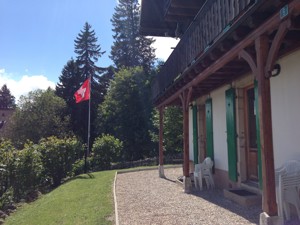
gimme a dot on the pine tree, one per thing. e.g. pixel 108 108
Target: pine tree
pixel 7 101
pixel 69 81
pixel 130 49
pixel 76 72
pixel 88 52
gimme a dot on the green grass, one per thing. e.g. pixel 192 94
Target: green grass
pixel 86 199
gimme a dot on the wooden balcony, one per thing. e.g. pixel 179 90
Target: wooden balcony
pixel 216 20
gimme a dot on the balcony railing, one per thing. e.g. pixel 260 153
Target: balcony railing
pixel 213 19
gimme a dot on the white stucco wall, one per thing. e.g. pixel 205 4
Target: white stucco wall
pixel 191 147
pixel 285 100
pixel 219 128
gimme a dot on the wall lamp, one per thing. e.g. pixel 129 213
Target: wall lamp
pixel 276 70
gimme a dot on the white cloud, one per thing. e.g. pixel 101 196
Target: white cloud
pixel 163 46
pixel 26 84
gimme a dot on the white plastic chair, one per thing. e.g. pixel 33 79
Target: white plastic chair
pixel 287 180
pixel 198 177
pixel 204 170
pixel 207 172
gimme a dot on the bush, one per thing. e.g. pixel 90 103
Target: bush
pixel 106 149
pixel 29 170
pixel 7 198
pixel 79 166
pixel 8 165
pixel 58 157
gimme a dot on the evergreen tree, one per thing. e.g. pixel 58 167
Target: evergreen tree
pixel 69 82
pixel 130 49
pixel 7 101
pixel 88 52
pixel 76 72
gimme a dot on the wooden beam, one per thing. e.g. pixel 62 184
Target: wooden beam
pixel 182 12
pixel 276 43
pixel 265 121
pixel 161 126
pixel 192 4
pixel 250 60
pixel 268 26
pixel 185 99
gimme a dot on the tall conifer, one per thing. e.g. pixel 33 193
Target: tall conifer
pixel 130 49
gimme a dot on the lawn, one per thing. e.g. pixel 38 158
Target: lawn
pixel 86 199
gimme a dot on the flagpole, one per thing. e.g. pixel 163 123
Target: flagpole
pixel 89 120
pixel 87 152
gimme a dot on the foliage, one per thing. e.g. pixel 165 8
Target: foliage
pixel 69 82
pixel 126 112
pixel 75 72
pixel 85 200
pixel 88 51
pixel 106 149
pixel 40 114
pixel 8 161
pixel 172 127
pixel 29 170
pixel 58 156
pixel 7 198
pixel 130 49
pixel 7 101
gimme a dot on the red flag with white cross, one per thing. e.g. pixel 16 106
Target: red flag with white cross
pixel 83 93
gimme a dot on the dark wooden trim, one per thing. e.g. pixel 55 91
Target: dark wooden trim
pixel 266 28
pixel 161 127
pixel 266 138
pixel 185 97
pixel 276 43
pixel 249 59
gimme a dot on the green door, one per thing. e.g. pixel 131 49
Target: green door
pixel 209 129
pixel 231 134
pixel 195 134
pixel 258 134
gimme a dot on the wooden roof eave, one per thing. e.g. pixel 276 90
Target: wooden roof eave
pixel 267 27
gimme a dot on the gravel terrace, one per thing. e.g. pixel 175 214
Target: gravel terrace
pixel 144 198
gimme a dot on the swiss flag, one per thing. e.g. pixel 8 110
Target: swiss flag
pixel 83 93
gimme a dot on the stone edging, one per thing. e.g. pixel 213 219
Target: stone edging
pixel 115 200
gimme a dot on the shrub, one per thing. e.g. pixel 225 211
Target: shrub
pixel 29 170
pixel 7 198
pixel 8 165
pixel 105 149
pixel 58 157
pixel 79 166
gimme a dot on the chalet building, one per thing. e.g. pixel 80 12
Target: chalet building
pixel 236 75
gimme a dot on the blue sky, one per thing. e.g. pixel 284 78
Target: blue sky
pixel 37 39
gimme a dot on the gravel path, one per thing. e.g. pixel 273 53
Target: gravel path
pixel 144 198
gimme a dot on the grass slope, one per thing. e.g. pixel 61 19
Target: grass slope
pixel 86 199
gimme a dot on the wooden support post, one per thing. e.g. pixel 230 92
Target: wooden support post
pixel 265 117
pixel 186 156
pixel 161 146
pixel 185 97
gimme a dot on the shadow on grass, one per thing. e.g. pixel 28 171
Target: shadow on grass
pixel 81 177
pixel 84 176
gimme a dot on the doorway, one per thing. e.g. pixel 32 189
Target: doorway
pixel 251 135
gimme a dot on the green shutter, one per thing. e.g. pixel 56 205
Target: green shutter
pixel 195 134
pixel 258 134
pixel 231 134
pixel 209 129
